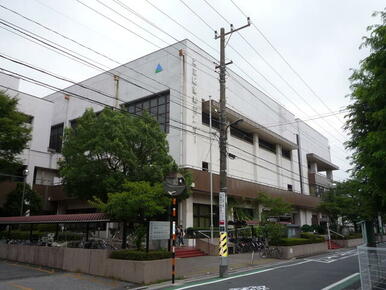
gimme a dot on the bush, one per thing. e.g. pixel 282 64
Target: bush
pixel 298 241
pixel 310 236
pixel 46 228
pixel 350 236
pixel 306 228
pixel 140 255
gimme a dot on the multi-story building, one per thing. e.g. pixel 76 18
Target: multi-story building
pixel 270 151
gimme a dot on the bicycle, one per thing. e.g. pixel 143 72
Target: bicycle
pixel 270 252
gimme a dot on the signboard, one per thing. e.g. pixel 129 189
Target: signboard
pixel 221 201
pixel 159 230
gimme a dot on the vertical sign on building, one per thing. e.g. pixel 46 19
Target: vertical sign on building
pixel 194 89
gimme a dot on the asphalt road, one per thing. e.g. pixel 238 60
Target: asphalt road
pixel 304 274
pixel 15 276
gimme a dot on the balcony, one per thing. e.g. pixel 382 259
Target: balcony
pixel 319 179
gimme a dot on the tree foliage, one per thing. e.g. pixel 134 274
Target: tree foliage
pixel 14 134
pixel 108 149
pixel 137 203
pixel 367 120
pixel 32 201
pixel 344 201
pixel 273 206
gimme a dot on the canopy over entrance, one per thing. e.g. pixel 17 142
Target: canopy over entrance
pixel 55 219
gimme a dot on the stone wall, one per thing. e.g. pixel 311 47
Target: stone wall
pixel 88 261
pixel 290 252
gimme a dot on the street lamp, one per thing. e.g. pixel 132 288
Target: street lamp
pixel 25 173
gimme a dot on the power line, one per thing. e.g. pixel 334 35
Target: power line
pixel 267 63
pixel 106 105
pixel 283 58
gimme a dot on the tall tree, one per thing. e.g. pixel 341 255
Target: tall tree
pixel 108 149
pixel 32 201
pixel 367 121
pixel 14 135
pixel 135 204
pixel 344 201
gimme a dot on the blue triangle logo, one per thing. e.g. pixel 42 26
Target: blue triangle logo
pixel 158 68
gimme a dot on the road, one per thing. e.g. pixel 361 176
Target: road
pixel 319 272
pixel 14 276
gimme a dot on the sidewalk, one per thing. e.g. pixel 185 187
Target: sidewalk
pixel 197 268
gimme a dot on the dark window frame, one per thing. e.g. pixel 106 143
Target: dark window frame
pixel 241 134
pixel 158 105
pixel 56 137
pixel 205 166
pixel 286 154
pixel 266 145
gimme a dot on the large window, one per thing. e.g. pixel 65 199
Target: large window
pixel 286 153
pixel 157 105
pixel 56 137
pixel 267 145
pixel 215 121
pixel 201 215
pixel 241 134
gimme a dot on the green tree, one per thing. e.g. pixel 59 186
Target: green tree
pixel 32 201
pixel 14 135
pixel 343 201
pixel 105 150
pixel 273 207
pixel 135 204
pixel 367 122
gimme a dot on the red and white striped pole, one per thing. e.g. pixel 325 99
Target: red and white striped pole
pixel 174 202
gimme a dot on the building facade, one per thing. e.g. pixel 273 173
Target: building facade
pixel 270 151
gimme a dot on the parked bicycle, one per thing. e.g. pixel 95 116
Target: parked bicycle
pixel 270 252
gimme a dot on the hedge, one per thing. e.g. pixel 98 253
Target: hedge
pixel 310 236
pixel 351 236
pixel 140 255
pixel 298 241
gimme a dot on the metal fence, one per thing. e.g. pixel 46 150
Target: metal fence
pixel 372 266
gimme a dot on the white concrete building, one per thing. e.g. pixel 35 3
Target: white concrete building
pixel 270 151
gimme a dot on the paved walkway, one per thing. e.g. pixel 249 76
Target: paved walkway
pixel 209 265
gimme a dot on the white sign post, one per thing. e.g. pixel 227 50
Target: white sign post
pixel 159 230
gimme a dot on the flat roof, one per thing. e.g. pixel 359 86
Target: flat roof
pixel 251 126
pixel 323 164
pixel 55 219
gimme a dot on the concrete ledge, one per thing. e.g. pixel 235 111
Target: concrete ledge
pixel 94 262
pixel 349 243
pixel 289 252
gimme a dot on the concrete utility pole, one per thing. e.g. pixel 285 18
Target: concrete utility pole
pixel 223 152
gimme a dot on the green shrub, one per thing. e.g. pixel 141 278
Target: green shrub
pixel 306 228
pixel 140 255
pixel 51 228
pixel 350 236
pixel 310 236
pixel 298 241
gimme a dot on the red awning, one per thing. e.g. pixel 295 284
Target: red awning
pixel 54 219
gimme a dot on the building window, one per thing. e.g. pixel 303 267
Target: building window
pixel 205 166
pixel 157 105
pixel 241 134
pixel 267 145
pixel 201 215
pixel 289 187
pixel 215 121
pixel 286 153
pixel 56 137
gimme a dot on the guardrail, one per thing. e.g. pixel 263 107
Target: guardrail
pixel 372 266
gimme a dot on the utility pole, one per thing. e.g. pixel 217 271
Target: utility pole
pixel 223 271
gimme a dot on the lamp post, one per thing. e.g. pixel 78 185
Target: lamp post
pixel 25 173
pixel 174 185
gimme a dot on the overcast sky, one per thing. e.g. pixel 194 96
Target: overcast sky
pixel 319 39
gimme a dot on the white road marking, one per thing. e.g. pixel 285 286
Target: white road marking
pixel 340 281
pixel 243 275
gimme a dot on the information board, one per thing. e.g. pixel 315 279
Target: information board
pixel 159 230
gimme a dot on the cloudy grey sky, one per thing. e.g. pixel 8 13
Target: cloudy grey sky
pixel 319 39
